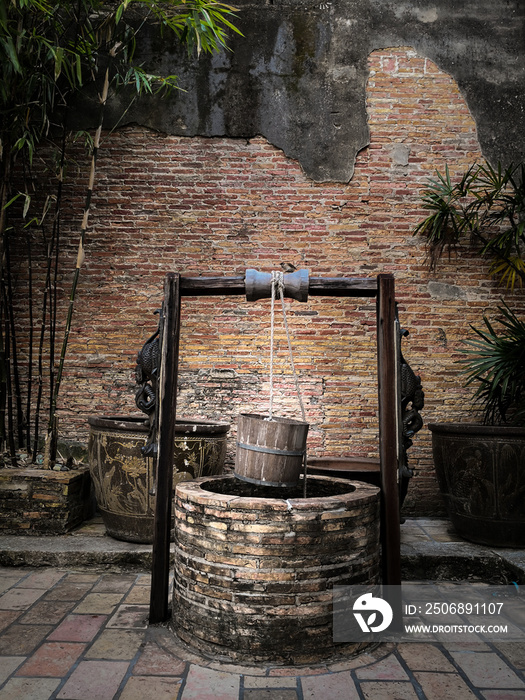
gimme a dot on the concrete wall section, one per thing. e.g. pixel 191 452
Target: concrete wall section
pixel 298 76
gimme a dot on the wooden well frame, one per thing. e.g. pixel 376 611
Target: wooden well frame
pixel 176 287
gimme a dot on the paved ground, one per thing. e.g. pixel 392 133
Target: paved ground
pixel 77 633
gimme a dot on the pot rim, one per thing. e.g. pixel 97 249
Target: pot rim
pixel 475 429
pixel 182 425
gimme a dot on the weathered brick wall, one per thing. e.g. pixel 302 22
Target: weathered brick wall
pixel 218 206
pixel 38 502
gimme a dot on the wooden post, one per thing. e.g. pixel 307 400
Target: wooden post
pixel 388 429
pixel 167 409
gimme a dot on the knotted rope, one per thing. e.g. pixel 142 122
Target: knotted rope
pixel 278 290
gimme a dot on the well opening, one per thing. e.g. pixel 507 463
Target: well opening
pixel 255 566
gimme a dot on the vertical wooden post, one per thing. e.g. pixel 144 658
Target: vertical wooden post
pixel 167 409
pixel 388 429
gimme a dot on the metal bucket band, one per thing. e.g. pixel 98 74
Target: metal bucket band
pixel 271 451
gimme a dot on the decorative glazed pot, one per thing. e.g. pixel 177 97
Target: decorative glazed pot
pixel 481 474
pixel 124 478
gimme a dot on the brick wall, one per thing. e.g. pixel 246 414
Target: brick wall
pixel 218 206
pixel 38 502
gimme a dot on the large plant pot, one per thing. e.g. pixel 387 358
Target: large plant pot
pixel 124 479
pixel 481 474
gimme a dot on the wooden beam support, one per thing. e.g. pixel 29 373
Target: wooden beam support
pixel 388 412
pixel 176 287
pixel 167 411
pixel 318 286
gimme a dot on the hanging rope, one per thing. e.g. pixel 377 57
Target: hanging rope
pixel 278 289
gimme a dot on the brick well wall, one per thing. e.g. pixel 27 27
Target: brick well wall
pixel 218 206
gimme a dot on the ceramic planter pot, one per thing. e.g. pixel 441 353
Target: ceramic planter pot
pixel 481 474
pixel 124 479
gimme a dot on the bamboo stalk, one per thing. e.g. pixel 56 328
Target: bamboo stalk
pixel 10 427
pixel 10 318
pixel 50 455
pixel 3 360
pixel 27 417
pixel 50 297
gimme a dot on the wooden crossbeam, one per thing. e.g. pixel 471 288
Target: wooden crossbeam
pixel 318 286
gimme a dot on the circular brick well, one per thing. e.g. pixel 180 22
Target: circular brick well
pixel 255 566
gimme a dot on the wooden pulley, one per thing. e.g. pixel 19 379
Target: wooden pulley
pixel 259 285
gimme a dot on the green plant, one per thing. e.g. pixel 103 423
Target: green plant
pixel 51 50
pixel 497 366
pixel 485 208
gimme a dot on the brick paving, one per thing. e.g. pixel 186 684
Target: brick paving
pixel 70 634
pixel 74 635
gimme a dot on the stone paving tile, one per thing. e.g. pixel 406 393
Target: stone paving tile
pixel 419 536
pixel 78 628
pixel 20 598
pixel 269 694
pixel 45 578
pixel 301 671
pixel 267 682
pixel 7 617
pixel 238 668
pixel 155 661
pixel 487 670
pixel 361 660
pixel 334 686
pixel 21 640
pixel 8 665
pixel 46 612
pixel 386 669
pixel 8 579
pixel 424 657
pixel 68 590
pixel 207 684
pixel 437 686
pixel 29 688
pixel 165 638
pixel 466 646
pixel 116 644
pixel 94 680
pixel 82 577
pixel 503 694
pixel 138 595
pixel 52 660
pixel 135 616
pixel 514 652
pixel 139 688
pixel 98 603
pixel 114 583
pixel 396 690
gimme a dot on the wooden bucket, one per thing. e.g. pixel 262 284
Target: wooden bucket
pixel 270 452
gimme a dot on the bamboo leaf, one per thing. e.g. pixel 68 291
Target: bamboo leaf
pixel 27 203
pixel 11 52
pixel 59 57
